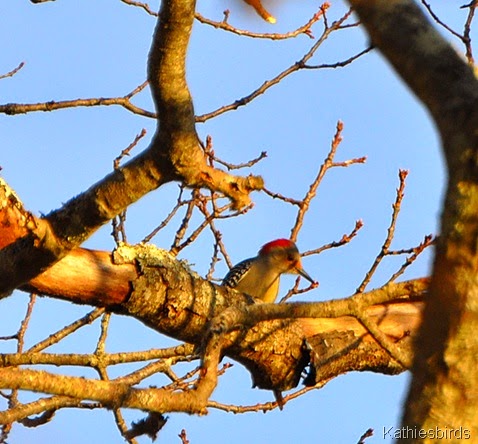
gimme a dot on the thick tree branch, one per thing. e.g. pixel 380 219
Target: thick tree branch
pixel 430 66
pixel 107 283
pixel 273 341
pixel 109 393
pixel 176 138
pixel 174 154
pixel 46 240
pixel 160 292
pixel 267 338
pixel 444 390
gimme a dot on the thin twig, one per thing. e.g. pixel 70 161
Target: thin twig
pixel 218 214
pixel 282 197
pixel 122 426
pixel 127 150
pixel 119 229
pixel 218 244
pixel 141 5
pixel 267 406
pixel 295 290
pixel 274 81
pixel 342 63
pixel 346 238
pixel 414 253
pixel 368 433
pixel 25 323
pixel 160 366
pixel 13 71
pixel 105 323
pixel 230 166
pixel 465 37
pixel 466 33
pixel 125 102
pixel 180 202
pixel 304 29
pixel 9 337
pixel 326 165
pixel 440 22
pixel 118 222
pixel 184 437
pixel 181 231
pixel 385 249
pixel 13 398
pixel 66 331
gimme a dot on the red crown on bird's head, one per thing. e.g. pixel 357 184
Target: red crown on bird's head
pixel 278 243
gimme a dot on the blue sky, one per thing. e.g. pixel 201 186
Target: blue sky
pixel 99 49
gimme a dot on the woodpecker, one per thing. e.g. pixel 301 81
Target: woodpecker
pixel 259 276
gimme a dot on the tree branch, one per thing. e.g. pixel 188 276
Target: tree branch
pixel 174 154
pixel 444 386
pixel 410 43
pixel 168 297
pixel 177 139
pixel 125 102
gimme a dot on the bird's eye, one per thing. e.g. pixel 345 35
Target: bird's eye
pixel 290 258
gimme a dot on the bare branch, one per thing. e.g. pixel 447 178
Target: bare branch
pixel 466 33
pixel 368 433
pixel 13 71
pixel 440 22
pixel 326 165
pixel 174 154
pixel 60 334
pixel 346 238
pixel 266 406
pixel 127 150
pixel 212 156
pixel 125 102
pixel 177 133
pixel 385 249
pixel 274 81
pixel 141 5
pixel 169 217
pixel 342 63
pixel 295 290
pixel 414 253
pixel 21 412
pixel 178 353
pixel 465 37
pixel 283 198
pixel 304 29
pixel 109 393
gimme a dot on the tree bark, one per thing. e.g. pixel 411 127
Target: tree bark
pixel 443 395
pixel 175 153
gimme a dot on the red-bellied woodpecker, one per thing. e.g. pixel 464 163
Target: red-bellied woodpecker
pixel 259 276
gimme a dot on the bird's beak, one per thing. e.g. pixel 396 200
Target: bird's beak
pixel 304 274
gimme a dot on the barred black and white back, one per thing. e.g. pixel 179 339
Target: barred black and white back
pixel 237 272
